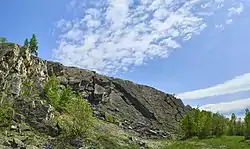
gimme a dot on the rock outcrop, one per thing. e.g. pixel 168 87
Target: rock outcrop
pixel 139 108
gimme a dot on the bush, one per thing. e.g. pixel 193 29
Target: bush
pixel 6 113
pixel 29 90
pixel 76 117
pixel 110 118
pixel 52 91
pixel 78 120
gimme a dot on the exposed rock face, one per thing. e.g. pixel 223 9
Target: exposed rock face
pixel 141 108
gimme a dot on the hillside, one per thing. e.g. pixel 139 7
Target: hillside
pixel 138 110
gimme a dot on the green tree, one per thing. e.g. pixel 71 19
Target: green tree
pixel 239 127
pixel 218 124
pixel 198 125
pixel 206 123
pixel 3 40
pixel 187 126
pixel 247 124
pixel 33 45
pixel 26 43
pixel 232 125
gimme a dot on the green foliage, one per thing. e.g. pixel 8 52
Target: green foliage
pixel 33 45
pixel 224 142
pixel 206 120
pixel 6 113
pixel 26 43
pixel 29 90
pixel 203 124
pixel 78 120
pixel 76 117
pixel 52 91
pixel 239 127
pixel 3 40
pixel 247 124
pixel 110 118
pixel 188 126
pixel 218 125
pixel 232 125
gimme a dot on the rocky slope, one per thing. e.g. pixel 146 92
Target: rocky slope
pixel 140 109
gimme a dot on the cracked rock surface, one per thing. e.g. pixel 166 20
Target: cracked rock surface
pixel 139 108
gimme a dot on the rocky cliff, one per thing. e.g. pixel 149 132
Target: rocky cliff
pixel 138 108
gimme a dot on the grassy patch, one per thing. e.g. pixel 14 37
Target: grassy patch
pixel 225 142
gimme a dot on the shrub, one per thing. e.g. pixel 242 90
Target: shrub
pixel 110 118
pixel 52 91
pixel 29 89
pixel 6 113
pixel 78 119
pixel 76 116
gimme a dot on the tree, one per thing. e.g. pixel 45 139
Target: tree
pixel 239 127
pixel 197 121
pixel 187 126
pixel 26 43
pixel 232 125
pixel 3 40
pixel 247 124
pixel 33 45
pixel 206 123
pixel 218 124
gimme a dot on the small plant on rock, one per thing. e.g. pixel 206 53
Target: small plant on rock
pixel 6 113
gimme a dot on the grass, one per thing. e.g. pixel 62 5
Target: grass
pixel 225 142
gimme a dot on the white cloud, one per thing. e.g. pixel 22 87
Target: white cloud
pixel 228 107
pixel 237 84
pixel 113 35
pixel 229 21
pixel 219 26
pixel 235 10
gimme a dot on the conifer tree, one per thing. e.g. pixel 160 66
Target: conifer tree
pixel 33 45
pixel 26 43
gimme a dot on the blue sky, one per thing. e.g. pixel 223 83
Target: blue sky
pixel 197 49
